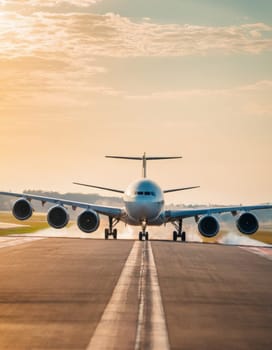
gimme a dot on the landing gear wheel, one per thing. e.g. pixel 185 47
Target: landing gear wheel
pixel 140 236
pixel 114 233
pixel 146 236
pixel 179 233
pixel 106 233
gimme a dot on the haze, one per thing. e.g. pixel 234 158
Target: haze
pixel 81 79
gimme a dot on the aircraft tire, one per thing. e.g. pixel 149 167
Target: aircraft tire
pixel 106 233
pixel 175 236
pixel 114 233
pixel 183 236
pixel 140 236
pixel 146 236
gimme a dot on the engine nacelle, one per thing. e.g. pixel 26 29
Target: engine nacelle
pixel 57 217
pixel 22 209
pixel 88 221
pixel 208 226
pixel 247 224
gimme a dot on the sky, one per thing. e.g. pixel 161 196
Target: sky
pixel 80 79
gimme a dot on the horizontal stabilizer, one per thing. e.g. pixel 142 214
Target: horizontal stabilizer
pixel 144 159
pixel 99 187
pixel 119 157
pixel 180 189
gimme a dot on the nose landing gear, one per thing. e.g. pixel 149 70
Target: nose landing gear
pixel 143 233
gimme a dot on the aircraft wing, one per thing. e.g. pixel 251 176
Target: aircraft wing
pixel 101 209
pixel 173 215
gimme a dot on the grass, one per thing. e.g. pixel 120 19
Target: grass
pixel 263 236
pixel 35 223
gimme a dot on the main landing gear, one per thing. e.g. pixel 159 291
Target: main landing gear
pixel 143 233
pixel 110 231
pixel 179 233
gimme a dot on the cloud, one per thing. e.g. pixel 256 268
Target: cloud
pixel 59 51
pixel 49 3
pixel 257 87
pixel 111 35
pixel 251 100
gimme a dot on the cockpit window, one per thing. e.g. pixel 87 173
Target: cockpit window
pixel 146 193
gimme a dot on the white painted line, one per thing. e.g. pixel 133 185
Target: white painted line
pixel 155 335
pixel 264 252
pixel 9 241
pixel 159 330
pixel 113 319
pixel 141 272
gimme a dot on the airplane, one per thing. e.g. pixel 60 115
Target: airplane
pixel 143 206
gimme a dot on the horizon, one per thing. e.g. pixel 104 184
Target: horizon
pixel 110 198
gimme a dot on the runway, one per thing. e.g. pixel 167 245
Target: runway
pixel 64 293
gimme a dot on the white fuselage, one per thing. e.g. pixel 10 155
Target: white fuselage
pixel 144 202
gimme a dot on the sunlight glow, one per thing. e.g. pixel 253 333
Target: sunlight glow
pixel 78 81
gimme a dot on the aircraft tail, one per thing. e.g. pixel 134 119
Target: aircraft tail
pixel 144 159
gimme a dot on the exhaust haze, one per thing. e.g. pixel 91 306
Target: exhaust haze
pixel 234 238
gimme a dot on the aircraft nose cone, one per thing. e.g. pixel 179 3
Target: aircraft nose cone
pixel 144 211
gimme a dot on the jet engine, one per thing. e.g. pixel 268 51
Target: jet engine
pixel 58 217
pixel 208 226
pixel 247 224
pixel 88 221
pixel 22 209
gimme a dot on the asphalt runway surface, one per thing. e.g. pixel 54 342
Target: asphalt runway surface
pixel 64 293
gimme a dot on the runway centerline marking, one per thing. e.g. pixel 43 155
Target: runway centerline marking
pixel 139 272
pixel 113 318
pixel 151 327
